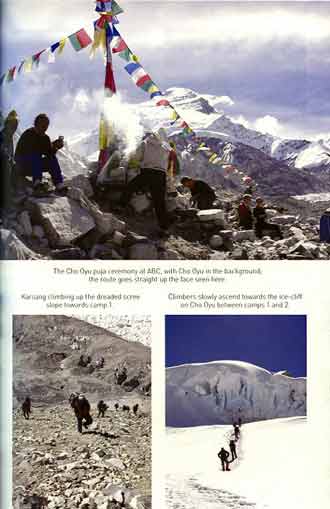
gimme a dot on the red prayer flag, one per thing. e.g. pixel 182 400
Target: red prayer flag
pixel 142 80
pixel 83 38
pixel 109 78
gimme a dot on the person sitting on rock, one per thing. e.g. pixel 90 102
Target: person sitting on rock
pixel 224 455
pixel 202 195
pixel 102 407
pixel 7 155
pixel 261 224
pixel 36 154
pixel 154 155
pixel 245 213
pixel 26 407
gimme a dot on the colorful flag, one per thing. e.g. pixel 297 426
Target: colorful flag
pixel 163 102
pixel 141 81
pixel 120 46
pixel 109 83
pixel 36 57
pixel 61 45
pixel 80 39
pixel 28 64
pixel 132 67
pixel 116 9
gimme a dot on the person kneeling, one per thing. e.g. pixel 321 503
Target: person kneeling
pixel 35 154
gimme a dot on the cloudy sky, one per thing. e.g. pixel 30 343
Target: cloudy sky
pixel 271 58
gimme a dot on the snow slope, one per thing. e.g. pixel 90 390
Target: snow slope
pixel 273 470
pixel 221 391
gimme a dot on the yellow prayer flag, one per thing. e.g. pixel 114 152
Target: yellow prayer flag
pixel 61 46
pixel 28 64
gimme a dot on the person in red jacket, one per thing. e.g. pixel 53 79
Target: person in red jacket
pixel 35 154
pixel 245 213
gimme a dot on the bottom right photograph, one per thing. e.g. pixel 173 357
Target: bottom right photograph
pixel 237 433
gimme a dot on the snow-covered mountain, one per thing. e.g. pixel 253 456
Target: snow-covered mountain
pixel 270 472
pixel 205 114
pixel 222 391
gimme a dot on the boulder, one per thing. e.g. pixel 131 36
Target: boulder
pixel 81 182
pixel 211 215
pixel 216 241
pixel 62 218
pixel 288 219
pixel 240 235
pixel 145 251
pixel 309 250
pixel 118 238
pixel 13 249
pixel 297 233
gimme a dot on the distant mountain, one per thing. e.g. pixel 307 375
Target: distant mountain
pixel 222 391
pixel 279 166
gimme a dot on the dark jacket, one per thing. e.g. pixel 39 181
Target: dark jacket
pixel 33 143
pixel 202 188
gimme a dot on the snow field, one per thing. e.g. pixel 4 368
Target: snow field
pixel 274 469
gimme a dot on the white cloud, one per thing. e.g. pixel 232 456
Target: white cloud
pixel 199 24
pixel 240 119
pixel 268 124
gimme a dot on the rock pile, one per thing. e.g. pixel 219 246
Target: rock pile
pixel 77 226
pixel 98 469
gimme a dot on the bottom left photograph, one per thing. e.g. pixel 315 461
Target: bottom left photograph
pixel 81 412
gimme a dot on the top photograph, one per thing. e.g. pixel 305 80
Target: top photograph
pixel 174 130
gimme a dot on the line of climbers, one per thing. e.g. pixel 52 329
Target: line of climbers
pixel 82 409
pixel 155 159
pixel 223 454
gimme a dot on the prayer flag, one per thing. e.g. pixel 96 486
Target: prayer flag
pixel 54 47
pixel 145 86
pixel 28 64
pixel 80 39
pixel 116 9
pixel 61 46
pixel 142 80
pixel 132 67
pixel 155 94
pixel 120 46
pixel 109 83
pixel 21 65
pixel 11 74
pixel 163 102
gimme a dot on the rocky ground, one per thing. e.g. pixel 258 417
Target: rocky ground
pixel 85 225
pixel 51 460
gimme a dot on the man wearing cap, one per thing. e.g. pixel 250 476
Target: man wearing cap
pixel 35 154
pixel 7 154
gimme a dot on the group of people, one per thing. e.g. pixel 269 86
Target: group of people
pixel 35 154
pixel 223 454
pixel 256 218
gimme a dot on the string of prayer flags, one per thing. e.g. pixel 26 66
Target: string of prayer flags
pixel 80 39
